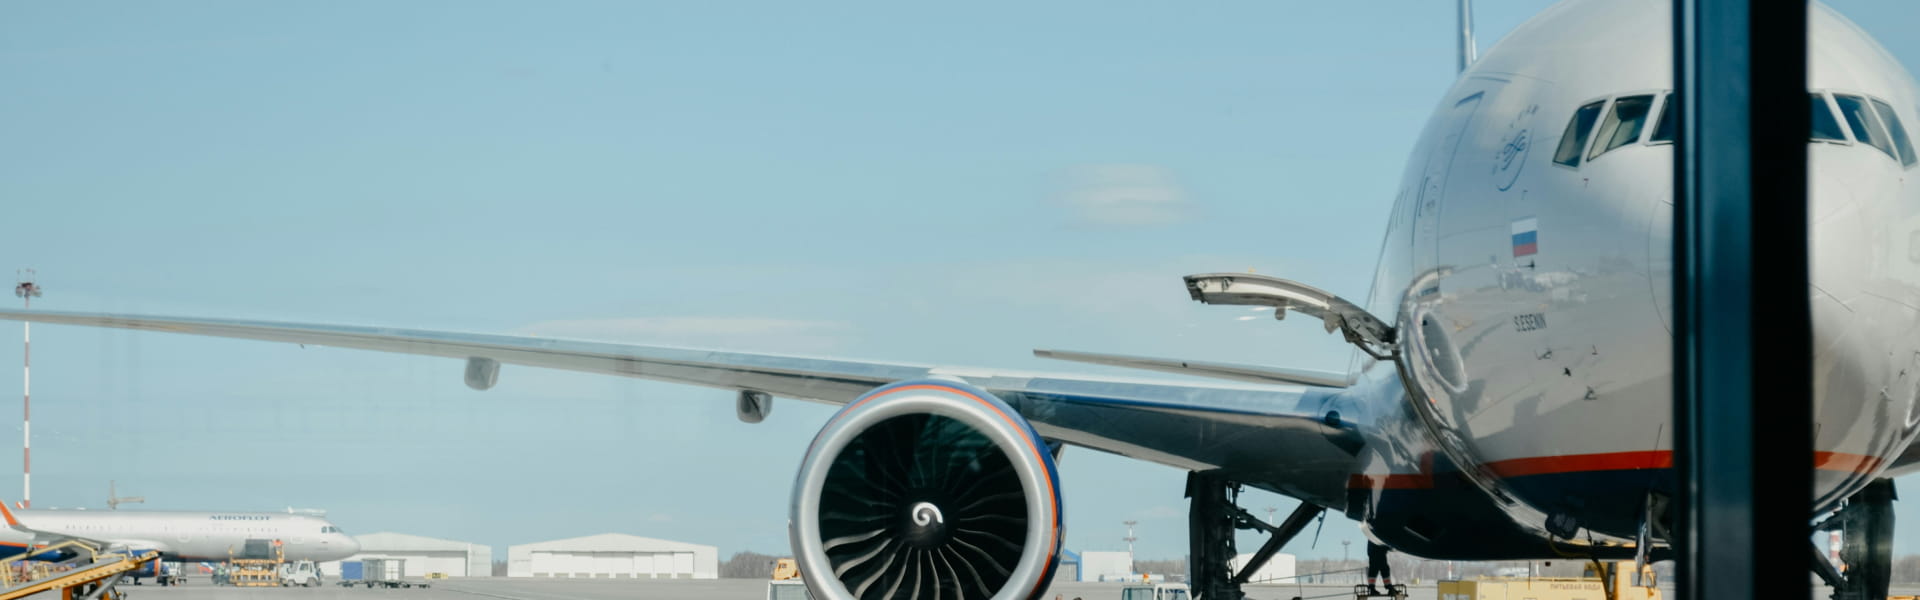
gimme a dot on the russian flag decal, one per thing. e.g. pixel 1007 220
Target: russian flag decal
pixel 1526 237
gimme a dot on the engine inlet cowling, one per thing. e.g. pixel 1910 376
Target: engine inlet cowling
pixel 927 489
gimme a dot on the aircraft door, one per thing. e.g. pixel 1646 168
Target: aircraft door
pixel 257 548
pixel 1435 373
pixel 1429 199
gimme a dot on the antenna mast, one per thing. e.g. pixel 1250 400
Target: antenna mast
pixel 114 500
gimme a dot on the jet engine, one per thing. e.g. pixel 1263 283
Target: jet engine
pixel 927 489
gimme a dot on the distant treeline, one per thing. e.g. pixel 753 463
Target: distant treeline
pixel 748 565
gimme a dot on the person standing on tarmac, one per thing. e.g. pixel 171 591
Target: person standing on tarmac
pixel 1377 566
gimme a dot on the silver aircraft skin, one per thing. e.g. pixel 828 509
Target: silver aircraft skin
pixel 1530 295
pixel 180 535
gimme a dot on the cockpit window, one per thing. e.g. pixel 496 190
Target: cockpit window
pixel 1574 139
pixel 1899 132
pixel 1623 125
pixel 1663 130
pixel 1866 126
pixel 1825 127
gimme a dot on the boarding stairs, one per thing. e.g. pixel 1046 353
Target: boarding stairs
pixel 92 576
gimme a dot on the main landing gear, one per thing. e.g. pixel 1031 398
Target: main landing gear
pixel 1211 522
pixel 1865 524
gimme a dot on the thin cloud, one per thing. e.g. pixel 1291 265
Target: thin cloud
pixel 1125 195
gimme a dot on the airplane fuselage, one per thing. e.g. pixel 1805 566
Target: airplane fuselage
pixel 192 536
pixel 1528 260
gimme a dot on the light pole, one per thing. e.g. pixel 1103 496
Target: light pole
pixel 1130 539
pixel 27 291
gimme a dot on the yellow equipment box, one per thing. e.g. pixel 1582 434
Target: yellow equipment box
pixel 1551 588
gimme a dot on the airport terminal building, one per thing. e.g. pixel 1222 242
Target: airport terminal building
pixel 421 555
pixel 614 556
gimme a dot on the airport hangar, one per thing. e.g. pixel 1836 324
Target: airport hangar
pixel 421 555
pixel 614 555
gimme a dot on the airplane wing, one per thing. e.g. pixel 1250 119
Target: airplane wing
pixel 1232 371
pixel 1289 439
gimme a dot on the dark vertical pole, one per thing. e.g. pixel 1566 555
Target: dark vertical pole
pixel 1743 335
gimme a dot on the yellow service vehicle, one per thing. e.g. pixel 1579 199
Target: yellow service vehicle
pixel 786 583
pixel 785 569
pixel 1616 584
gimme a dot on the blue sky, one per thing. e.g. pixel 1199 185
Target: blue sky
pixel 874 180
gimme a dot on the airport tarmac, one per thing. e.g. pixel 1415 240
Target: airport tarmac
pixel 502 588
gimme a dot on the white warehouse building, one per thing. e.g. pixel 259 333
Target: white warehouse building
pixel 421 555
pixel 1105 566
pixel 614 555
pixel 1278 569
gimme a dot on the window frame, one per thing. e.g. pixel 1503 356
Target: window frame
pixel 1647 124
pixel 1660 103
pixel 1866 103
pixel 1606 104
pixel 1833 110
pixel 1904 149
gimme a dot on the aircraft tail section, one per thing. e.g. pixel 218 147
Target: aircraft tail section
pixel 1469 49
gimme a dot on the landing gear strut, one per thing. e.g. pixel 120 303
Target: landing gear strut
pixel 1865 524
pixel 1210 525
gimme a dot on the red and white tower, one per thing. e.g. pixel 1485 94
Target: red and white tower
pixel 1833 551
pixel 27 291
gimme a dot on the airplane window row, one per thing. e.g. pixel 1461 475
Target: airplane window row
pixel 1868 121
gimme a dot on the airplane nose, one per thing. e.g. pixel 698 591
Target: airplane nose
pixel 351 545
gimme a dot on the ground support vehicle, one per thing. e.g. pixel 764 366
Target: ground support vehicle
pixel 1154 591
pixel 302 573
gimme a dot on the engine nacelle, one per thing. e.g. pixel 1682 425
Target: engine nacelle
pixel 927 489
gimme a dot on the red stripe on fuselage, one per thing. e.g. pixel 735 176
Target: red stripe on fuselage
pixel 1588 463
pixel 1580 463
pixel 1393 481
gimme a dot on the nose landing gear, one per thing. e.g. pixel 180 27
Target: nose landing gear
pixel 1210 525
pixel 1865 524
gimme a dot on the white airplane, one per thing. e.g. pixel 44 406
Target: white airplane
pixel 177 535
pixel 1509 397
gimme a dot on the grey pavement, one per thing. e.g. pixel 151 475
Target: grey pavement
pixel 502 588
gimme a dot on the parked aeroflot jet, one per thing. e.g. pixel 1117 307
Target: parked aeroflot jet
pixel 179 535
pixel 1509 396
